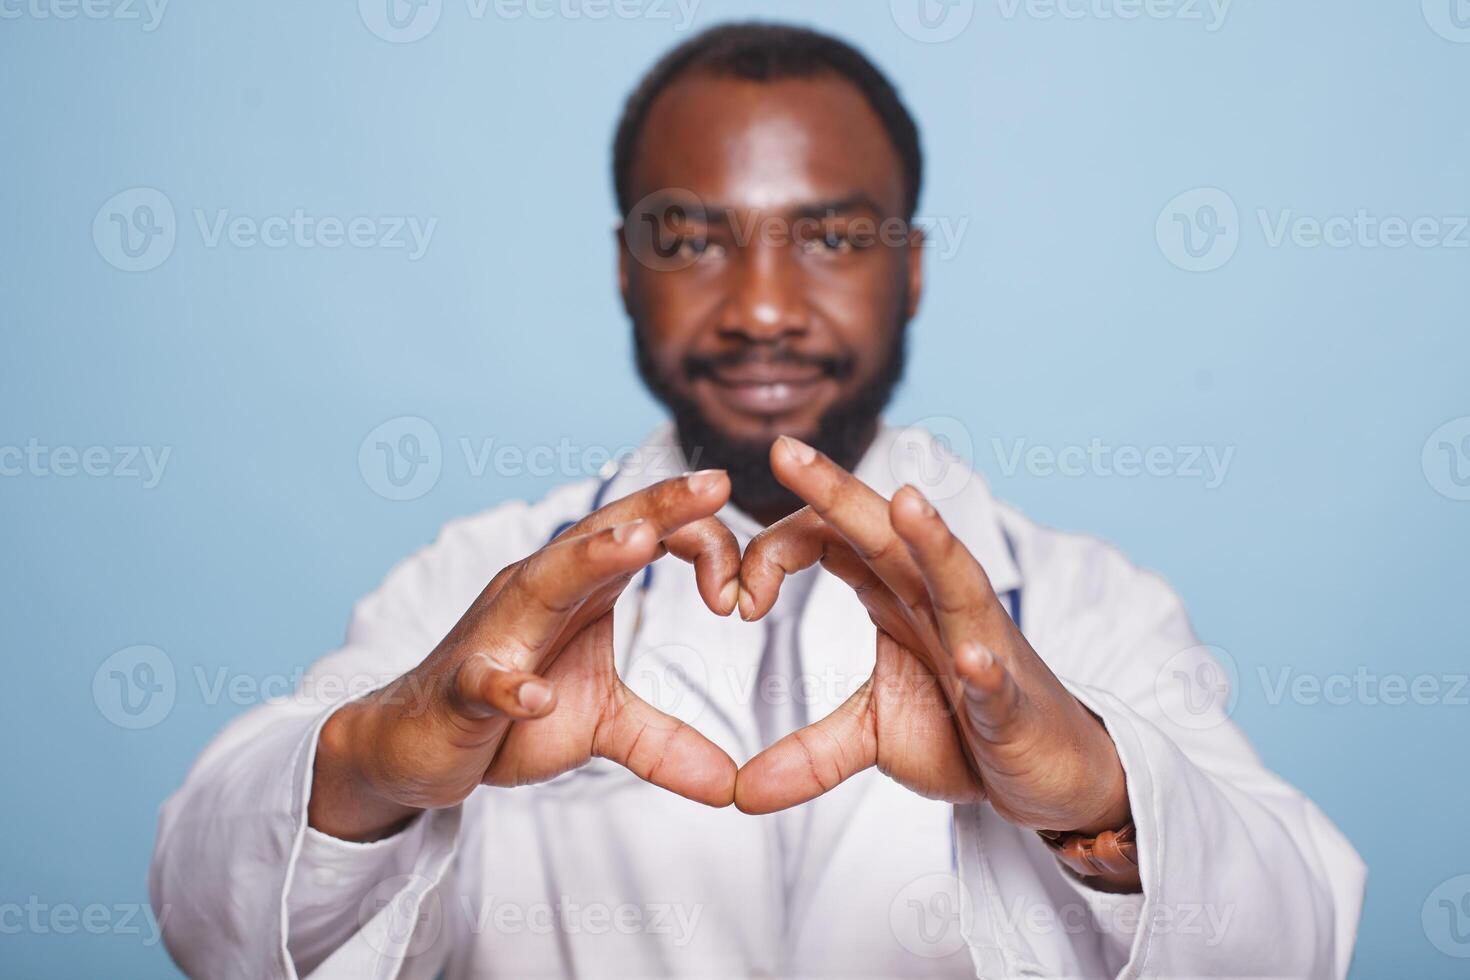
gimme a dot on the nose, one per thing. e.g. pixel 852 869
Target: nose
pixel 766 300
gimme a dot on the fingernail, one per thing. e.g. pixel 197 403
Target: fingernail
pixel 703 480
pixel 533 695
pixel 730 594
pixel 925 508
pixel 974 657
pixel 747 605
pixel 804 454
pixel 622 531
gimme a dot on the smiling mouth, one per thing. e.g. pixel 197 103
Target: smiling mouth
pixel 769 389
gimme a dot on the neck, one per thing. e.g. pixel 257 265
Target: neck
pixel 768 507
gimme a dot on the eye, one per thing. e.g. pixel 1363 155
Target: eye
pixel 698 246
pixel 830 241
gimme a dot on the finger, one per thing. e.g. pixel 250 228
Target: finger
pixel 667 505
pixel 711 548
pixel 991 698
pixel 965 606
pixel 811 760
pixel 791 544
pixel 853 509
pixel 665 751
pixel 918 744
pixel 483 687
pixel 536 603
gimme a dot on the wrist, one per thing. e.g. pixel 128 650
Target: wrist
pixel 1107 788
pixel 344 803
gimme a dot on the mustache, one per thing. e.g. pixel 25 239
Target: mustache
pixel 705 365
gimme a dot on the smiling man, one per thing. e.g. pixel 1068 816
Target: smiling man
pixel 968 745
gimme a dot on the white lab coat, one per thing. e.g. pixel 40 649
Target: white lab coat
pixel 597 874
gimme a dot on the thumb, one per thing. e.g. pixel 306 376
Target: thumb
pixel 483 688
pixel 991 697
pixel 663 750
pixel 811 760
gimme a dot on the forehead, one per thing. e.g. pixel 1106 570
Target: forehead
pixel 766 145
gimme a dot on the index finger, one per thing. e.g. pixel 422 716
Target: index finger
pixel 853 509
pixel 666 505
pixel 528 614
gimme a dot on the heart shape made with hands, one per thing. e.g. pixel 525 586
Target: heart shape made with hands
pixel 524 686
pixel 958 706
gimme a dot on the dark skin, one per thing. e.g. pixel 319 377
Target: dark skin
pixel 795 178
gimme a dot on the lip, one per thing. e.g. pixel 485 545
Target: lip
pixel 767 390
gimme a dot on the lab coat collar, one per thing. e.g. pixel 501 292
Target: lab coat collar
pixel 897 456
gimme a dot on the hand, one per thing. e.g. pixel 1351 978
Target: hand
pixel 524 688
pixel 959 705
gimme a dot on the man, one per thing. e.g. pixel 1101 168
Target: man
pixel 963 749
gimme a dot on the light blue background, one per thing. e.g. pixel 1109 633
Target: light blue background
pixel 1326 549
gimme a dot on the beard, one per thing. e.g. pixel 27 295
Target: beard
pixel 844 430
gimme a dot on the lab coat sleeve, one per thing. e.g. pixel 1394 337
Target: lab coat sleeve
pixel 1243 876
pixel 232 840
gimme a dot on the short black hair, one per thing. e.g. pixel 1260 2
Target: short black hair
pixel 764 53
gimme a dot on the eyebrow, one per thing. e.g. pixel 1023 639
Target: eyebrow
pixel 852 203
pixel 842 205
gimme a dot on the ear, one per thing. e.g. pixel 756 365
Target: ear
pixel 623 265
pixel 915 269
